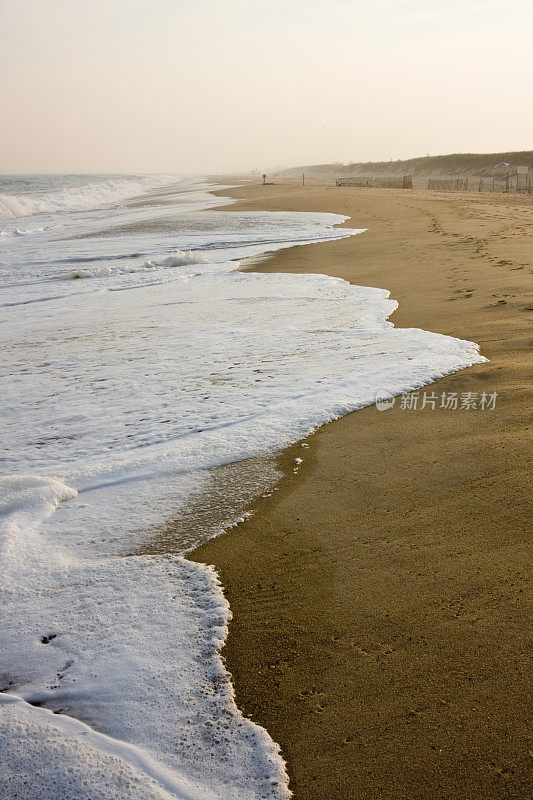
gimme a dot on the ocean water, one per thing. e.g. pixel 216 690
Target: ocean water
pixel 137 361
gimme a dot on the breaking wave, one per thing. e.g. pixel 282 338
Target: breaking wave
pixel 177 259
pixel 83 197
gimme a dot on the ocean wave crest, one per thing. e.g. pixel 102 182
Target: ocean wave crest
pixel 177 259
pixel 78 198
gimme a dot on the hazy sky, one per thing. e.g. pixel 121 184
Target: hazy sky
pixel 212 85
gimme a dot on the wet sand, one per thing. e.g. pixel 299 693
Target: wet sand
pixel 380 599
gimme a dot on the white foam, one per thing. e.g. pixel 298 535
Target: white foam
pixel 57 758
pixel 79 635
pixel 178 259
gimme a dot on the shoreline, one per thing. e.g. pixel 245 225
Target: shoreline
pixel 378 615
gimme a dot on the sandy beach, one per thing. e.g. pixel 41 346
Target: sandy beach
pixel 379 597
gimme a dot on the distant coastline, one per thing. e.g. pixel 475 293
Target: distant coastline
pixel 454 164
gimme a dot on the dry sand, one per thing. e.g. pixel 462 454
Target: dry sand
pixel 380 596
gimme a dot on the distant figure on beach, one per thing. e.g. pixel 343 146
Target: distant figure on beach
pixel 264 179
pixel 339 181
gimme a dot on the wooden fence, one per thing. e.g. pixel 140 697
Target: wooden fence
pixel 379 183
pixel 448 184
pixel 510 183
pixel 517 183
